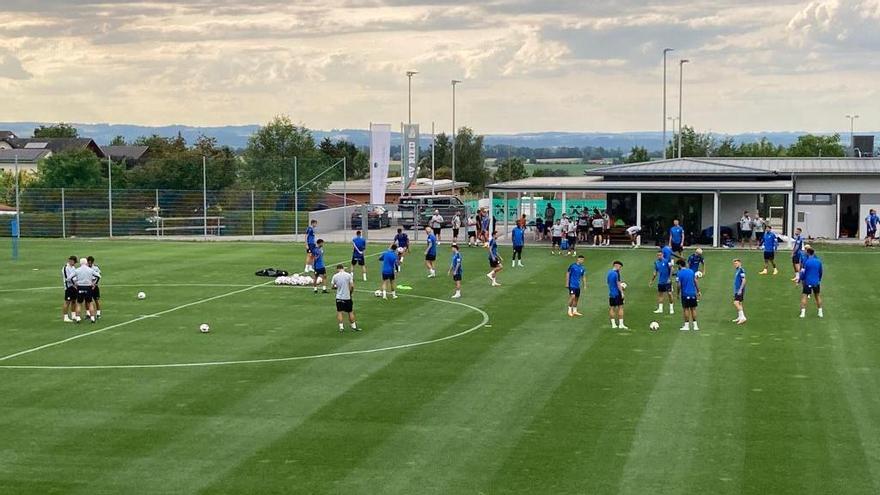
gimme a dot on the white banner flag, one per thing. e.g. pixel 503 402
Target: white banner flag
pixel 410 154
pixel 380 156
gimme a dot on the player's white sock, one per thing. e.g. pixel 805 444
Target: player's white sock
pixel 803 313
pixel 570 311
pixel 341 327
pixel 519 263
pixel 742 315
pixel 613 323
pixel 365 277
pixel 821 314
pixel 672 309
pixel 99 312
pixel 384 293
pixel 687 326
pixel 696 326
pixel 354 325
pixel 660 308
pixel 620 323
pixel 394 294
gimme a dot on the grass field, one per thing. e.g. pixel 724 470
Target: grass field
pixel 529 402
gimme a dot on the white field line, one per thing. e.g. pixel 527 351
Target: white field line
pixel 111 327
pixel 483 323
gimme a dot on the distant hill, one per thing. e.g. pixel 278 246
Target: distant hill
pixel 236 136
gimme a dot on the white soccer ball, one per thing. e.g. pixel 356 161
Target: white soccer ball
pixel 654 326
pixel 401 249
pixel 204 328
pixel 378 293
pixel 623 285
pixel 699 274
pixel 141 295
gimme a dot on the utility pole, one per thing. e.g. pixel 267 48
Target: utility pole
pixel 665 51
pixel 680 88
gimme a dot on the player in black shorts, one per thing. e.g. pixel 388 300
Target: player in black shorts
pixel 67 273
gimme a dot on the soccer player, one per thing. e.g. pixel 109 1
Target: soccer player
pixel 796 253
pixel 472 231
pixel 811 277
pixel 67 273
pixel 696 262
pixel 571 237
pixel 771 242
pixel 871 222
pixel 437 223
pixel 745 229
pixel 389 266
pixel 402 242
pixel 455 269
pixel 634 232
pixel 456 226
pixel 676 237
pixel 575 279
pixel 487 224
pixel 690 294
pixel 519 240
pixel 598 224
pixel 84 281
pixel 310 245
pixel 615 296
pixel 96 291
pixel 494 260
pixel 320 270
pixel 662 273
pixel 739 291
pixel 358 250
pixel 343 282
pixel 556 238
pixel 430 252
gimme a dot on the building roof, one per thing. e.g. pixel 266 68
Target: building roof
pixel 742 167
pixel 422 186
pixel 57 145
pixel 125 152
pixel 23 155
pixel 596 184
pixel 4 135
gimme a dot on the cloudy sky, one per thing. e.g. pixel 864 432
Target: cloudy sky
pixel 527 65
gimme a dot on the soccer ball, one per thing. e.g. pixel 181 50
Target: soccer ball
pixel 204 328
pixel 654 326
pixel 623 285
pixel 699 274
pixel 401 249
pixel 141 295
pixel 378 293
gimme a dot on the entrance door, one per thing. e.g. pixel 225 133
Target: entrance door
pixel 849 216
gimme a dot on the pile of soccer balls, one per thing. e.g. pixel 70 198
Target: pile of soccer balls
pixel 295 279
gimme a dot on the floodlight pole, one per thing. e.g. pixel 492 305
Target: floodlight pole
pixel 852 141
pixel 344 195
pixel 433 146
pixel 295 200
pixel 680 87
pixel 454 132
pixel 110 193
pixel 409 76
pixel 665 51
pixel 17 199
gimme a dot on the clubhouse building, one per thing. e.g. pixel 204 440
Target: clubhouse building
pixel 826 197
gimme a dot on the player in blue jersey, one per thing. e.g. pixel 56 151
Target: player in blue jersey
pixel 771 243
pixel 811 278
pixel 615 295
pixel 388 259
pixel 455 269
pixel 518 236
pixel 358 252
pixel 495 261
pixel 676 237
pixel 668 255
pixel 690 295
pixel 739 291
pixel 430 252
pixel 696 262
pixel 797 252
pixel 871 223
pixel 311 233
pixel 662 274
pixel 320 269
pixel 402 242
pixel 575 280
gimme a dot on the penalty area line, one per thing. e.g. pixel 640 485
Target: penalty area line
pixel 129 322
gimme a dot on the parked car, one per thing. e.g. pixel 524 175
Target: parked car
pixel 423 206
pixel 377 218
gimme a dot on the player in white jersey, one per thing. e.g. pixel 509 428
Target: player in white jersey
pixel 343 282
pixel 84 281
pixel 67 273
pixel 96 292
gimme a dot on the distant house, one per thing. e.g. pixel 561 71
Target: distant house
pixel 27 159
pixel 131 156
pixel 29 151
pixel 5 137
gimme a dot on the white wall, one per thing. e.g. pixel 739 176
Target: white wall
pixel 838 185
pixel 732 207
pixel 819 220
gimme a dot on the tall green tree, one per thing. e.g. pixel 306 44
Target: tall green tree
pixel 269 157
pixel 162 146
pixel 357 163
pixel 512 168
pixel 638 154
pixel 73 169
pixel 810 145
pixel 60 130
pixel 760 149
pixel 693 144
pixel 118 140
pixel 470 165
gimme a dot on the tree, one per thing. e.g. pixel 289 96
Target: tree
pixel 74 169
pixel 693 144
pixel 760 149
pixel 268 158
pixel 638 154
pixel 810 145
pixel 547 172
pixel 60 130
pixel 357 163
pixel 119 140
pixel 470 165
pixel 178 169
pixel 162 146
pixel 726 148
pixel 510 169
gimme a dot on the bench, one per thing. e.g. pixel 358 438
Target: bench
pixel 214 225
